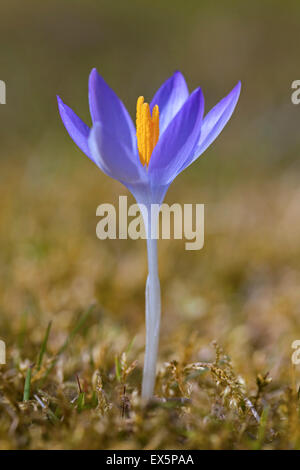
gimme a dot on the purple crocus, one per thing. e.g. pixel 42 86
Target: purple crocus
pixel 170 134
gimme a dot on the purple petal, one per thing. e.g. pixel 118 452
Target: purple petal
pixel 178 141
pixel 215 121
pixel 113 157
pixel 170 97
pixel 76 128
pixel 107 108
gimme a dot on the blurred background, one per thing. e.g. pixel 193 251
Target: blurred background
pixel 242 288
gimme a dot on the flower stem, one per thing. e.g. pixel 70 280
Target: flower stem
pixel 153 311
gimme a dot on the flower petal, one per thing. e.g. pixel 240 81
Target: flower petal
pixel 107 108
pixel 215 121
pixel 113 157
pixel 76 128
pixel 178 141
pixel 170 97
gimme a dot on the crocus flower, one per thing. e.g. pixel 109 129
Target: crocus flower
pixel 170 134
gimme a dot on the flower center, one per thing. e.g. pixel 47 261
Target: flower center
pixel 147 129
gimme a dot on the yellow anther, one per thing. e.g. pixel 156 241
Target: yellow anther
pixel 147 129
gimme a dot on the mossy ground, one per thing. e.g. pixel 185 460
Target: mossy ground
pixel 241 290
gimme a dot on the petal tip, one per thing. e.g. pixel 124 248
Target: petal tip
pixel 177 73
pixel 238 87
pixel 93 74
pixel 61 106
pixel 59 101
pixel 178 77
pixel 198 94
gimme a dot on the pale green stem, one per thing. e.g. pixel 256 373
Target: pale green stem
pixel 153 311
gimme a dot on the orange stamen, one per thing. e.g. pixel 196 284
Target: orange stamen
pixel 147 129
